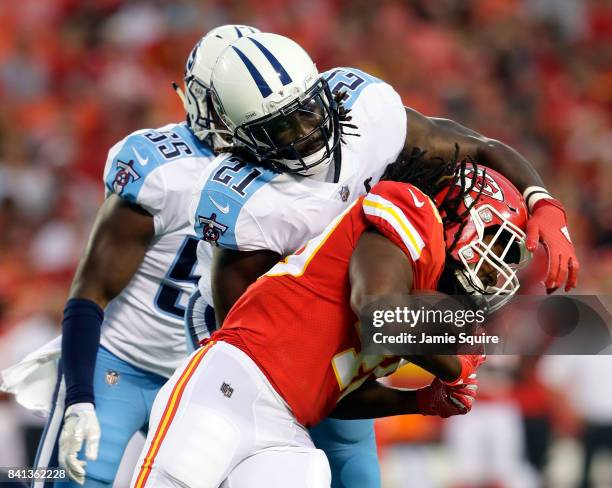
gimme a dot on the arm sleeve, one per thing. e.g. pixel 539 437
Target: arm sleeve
pixel 80 341
pixel 380 116
pixel 409 219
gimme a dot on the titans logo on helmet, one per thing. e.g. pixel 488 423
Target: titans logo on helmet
pixel 191 58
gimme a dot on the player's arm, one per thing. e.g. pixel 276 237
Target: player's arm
pixel 380 272
pixel 233 272
pixel 439 136
pixel 548 221
pixel 375 400
pixel 242 250
pixel 116 246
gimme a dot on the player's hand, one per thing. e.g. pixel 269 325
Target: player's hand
pixel 548 224
pixel 80 425
pixel 469 365
pixel 444 400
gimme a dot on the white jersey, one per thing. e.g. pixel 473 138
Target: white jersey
pixel 242 206
pixel 156 170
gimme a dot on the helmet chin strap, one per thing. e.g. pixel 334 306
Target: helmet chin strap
pixel 465 283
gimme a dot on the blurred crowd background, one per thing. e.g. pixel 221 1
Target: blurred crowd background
pixel 78 75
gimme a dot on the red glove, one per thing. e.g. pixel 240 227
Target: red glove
pixel 548 224
pixel 469 365
pixel 444 400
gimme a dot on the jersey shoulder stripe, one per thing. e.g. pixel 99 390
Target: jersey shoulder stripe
pixel 405 215
pixel 136 158
pixel 350 80
pixel 224 195
pixel 377 206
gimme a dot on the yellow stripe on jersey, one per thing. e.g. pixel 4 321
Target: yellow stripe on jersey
pixel 380 207
pixel 345 367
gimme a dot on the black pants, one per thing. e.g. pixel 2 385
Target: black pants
pixel 537 441
pixel 595 438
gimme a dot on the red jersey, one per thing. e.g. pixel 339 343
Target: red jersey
pixel 296 322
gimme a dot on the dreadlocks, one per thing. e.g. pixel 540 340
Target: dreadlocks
pixel 431 176
pixel 344 117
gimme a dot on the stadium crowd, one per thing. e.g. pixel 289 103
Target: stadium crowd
pixel 78 75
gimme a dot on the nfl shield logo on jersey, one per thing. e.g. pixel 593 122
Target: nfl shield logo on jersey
pixel 226 389
pixel 344 193
pixel 112 377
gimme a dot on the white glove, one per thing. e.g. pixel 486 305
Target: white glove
pixel 80 424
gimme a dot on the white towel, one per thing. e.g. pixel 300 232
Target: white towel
pixel 34 378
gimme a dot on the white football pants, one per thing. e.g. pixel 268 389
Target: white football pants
pixel 219 423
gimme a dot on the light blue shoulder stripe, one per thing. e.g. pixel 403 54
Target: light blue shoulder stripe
pixel 350 80
pixel 145 151
pixel 224 195
pixel 131 166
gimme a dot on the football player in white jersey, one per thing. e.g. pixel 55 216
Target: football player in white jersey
pixel 122 331
pixel 306 145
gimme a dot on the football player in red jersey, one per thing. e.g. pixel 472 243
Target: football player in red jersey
pixel 289 353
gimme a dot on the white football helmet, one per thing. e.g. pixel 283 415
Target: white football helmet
pixel 196 98
pixel 268 92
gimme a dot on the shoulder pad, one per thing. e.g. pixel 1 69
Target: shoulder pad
pixel 133 161
pixel 404 214
pixel 350 80
pixel 224 198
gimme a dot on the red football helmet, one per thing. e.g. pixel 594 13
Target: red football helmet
pixel 489 235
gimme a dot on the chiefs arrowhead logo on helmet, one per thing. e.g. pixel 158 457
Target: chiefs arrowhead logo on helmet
pixel 485 183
